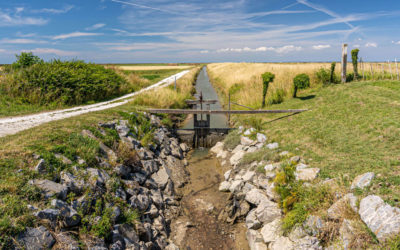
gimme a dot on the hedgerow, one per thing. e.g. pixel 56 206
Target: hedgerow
pixel 62 82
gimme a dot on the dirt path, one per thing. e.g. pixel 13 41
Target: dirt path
pixel 199 227
pixel 12 125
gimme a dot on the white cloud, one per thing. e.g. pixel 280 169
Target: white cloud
pixel 204 51
pixel 374 45
pixel 2 50
pixel 8 19
pixel 398 42
pixel 96 26
pixel 53 51
pixel 356 45
pixel 279 50
pixel 54 11
pixel 75 34
pixel 20 41
pixel 322 46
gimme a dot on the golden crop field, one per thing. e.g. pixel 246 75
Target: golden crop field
pixel 248 77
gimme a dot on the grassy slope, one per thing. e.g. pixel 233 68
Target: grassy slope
pixel 17 162
pixel 14 107
pixel 350 129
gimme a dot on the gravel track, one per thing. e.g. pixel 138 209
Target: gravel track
pixel 12 125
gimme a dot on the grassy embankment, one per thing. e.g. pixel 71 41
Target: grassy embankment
pixel 17 161
pixel 53 85
pixel 350 129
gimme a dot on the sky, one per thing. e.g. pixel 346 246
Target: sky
pixel 151 31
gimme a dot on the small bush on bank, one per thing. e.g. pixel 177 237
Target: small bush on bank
pixel 267 78
pixel 232 140
pixel 61 82
pixel 301 81
pixel 323 76
pixel 278 96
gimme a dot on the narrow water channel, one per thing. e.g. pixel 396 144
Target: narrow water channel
pixel 203 85
pixel 198 226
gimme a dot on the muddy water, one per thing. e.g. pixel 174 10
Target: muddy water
pixel 203 85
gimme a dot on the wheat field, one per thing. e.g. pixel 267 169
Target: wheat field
pixel 248 77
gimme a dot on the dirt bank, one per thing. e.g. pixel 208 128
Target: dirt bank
pixel 198 226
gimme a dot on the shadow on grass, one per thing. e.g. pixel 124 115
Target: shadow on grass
pixel 304 98
pixel 282 117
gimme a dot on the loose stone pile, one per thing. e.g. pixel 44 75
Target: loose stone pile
pixel 254 200
pixel 146 184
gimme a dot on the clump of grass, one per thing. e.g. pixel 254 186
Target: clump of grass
pixel 263 154
pixel 168 97
pixel 232 140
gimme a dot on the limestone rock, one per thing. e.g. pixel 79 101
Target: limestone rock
pixel 381 218
pixel 301 166
pixel 204 205
pixel 347 234
pixel 236 186
pixel 222 154
pixel 184 147
pixel 51 188
pixel 295 159
pixel 97 177
pixel 161 177
pixel 261 138
pixel 41 167
pixel 256 196
pixel 69 216
pixel 63 159
pixel 267 211
pixel 227 174
pixel 271 231
pixel 363 180
pixel 248 176
pixel 274 145
pixel 237 157
pixel 282 243
pixel 217 148
pixel 249 131
pixel 251 220
pixel 66 242
pixel 224 186
pixel 336 210
pixel 255 240
pixel 36 238
pixel 246 141
pixel 313 225
pixel 308 243
pixel 72 182
pixel 307 174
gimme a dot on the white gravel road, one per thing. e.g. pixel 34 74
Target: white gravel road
pixel 12 125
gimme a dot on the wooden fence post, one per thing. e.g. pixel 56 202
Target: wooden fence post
pixel 362 68
pixel 390 69
pixel 397 69
pixel 175 84
pixel 372 72
pixel 344 62
pixel 229 108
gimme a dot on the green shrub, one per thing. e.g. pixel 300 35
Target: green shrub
pixel 333 76
pixel 26 59
pixel 301 81
pixel 235 88
pixel 350 77
pixel 323 76
pixel 354 59
pixel 267 78
pixel 63 82
pixel 278 96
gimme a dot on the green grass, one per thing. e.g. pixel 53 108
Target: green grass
pixel 153 76
pixel 350 129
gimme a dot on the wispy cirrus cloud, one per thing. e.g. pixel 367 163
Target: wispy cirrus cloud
pixel 8 18
pixel 53 51
pixel 96 26
pixel 21 41
pixel 321 46
pixel 146 7
pixel 54 11
pixel 75 34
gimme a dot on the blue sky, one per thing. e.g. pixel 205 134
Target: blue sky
pixel 123 31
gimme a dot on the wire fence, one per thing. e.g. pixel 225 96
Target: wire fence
pixel 379 70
